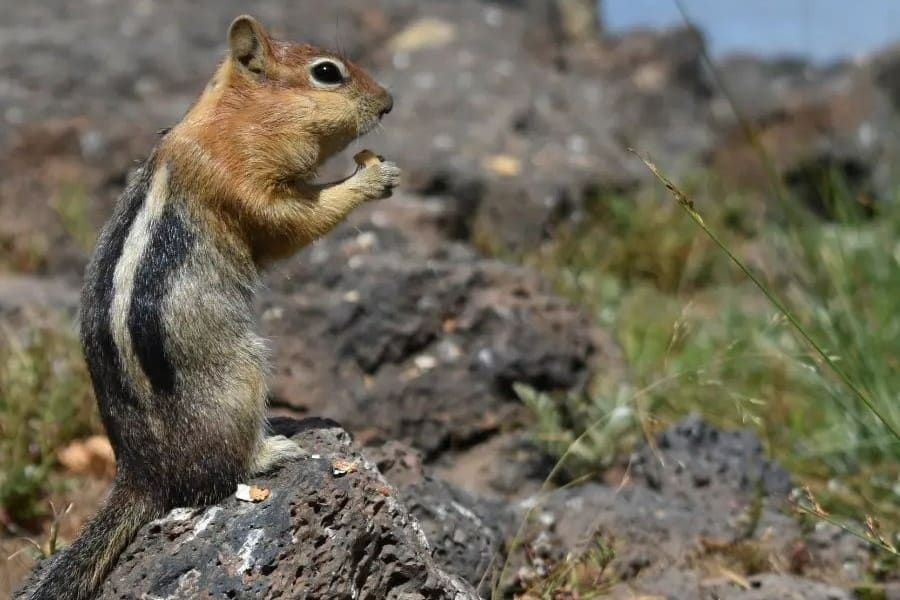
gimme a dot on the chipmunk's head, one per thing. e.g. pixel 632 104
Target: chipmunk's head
pixel 287 107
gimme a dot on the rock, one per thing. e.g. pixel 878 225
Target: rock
pixel 885 68
pixel 317 535
pixel 466 532
pixel 418 343
pixel 697 507
pixel 692 457
pixel 526 140
pixel 810 124
pixel 151 59
pixel 772 585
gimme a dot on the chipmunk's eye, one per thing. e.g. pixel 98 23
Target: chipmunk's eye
pixel 327 73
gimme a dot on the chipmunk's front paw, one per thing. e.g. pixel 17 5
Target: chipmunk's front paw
pixel 379 180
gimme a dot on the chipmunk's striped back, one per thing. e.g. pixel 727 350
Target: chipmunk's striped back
pixel 169 337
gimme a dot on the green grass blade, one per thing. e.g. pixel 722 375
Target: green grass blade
pixel 688 206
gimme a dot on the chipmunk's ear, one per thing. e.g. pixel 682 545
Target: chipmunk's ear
pixel 249 44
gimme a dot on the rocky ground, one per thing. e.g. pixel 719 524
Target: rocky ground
pixel 400 328
pixel 702 515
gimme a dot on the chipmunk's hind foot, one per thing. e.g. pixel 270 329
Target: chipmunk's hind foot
pixel 275 451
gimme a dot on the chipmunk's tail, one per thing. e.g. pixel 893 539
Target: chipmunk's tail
pixel 77 571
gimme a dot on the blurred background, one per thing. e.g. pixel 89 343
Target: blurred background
pixel 822 31
pixel 563 301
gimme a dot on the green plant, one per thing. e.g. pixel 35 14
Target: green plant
pixel 696 335
pixel 848 290
pixel 582 574
pixel 45 402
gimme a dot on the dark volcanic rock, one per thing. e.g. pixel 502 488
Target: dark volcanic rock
pixel 147 62
pixel 771 586
pixel 526 139
pixel 810 124
pixel 699 501
pixel 412 342
pixel 318 535
pixel 466 533
pixel 706 524
pixel 694 456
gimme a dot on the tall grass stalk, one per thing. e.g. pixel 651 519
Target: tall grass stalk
pixel 688 206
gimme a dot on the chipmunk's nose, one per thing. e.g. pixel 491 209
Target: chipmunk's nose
pixel 388 104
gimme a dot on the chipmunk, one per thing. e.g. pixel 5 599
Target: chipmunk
pixel 166 317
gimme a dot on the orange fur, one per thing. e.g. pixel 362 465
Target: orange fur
pixel 250 145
